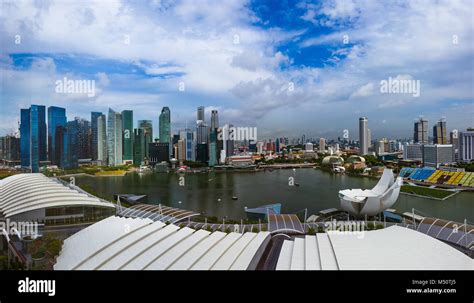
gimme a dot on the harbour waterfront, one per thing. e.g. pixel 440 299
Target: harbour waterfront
pixel 318 190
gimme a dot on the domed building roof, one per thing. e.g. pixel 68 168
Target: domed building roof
pixel 355 158
pixel 328 160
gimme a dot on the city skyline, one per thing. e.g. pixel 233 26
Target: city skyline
pixel 288 70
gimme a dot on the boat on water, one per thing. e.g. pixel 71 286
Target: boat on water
pixel 261 212
pixel 234 198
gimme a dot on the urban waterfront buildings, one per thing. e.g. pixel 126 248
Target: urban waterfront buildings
pixel 420 134
pixel 102 152
pixel 56 118
pixel 127 128
pixel 114 138
pixel 363 136
pixel 466 146
pixel 94 135
pixel 147 126
pixel 33 137
pixel 435 155
pixel 439 132
pixel 165 128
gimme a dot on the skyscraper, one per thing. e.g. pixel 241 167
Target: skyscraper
pixel 421 131
pixel 56 117
pixel 200 114
pixel 127 128
pixel 363 136
pixel 439 132
pixel 94 135
pixel 114 138
pixel 190 146
pixel 322 144
pixel 102 140
pixel 214 120
pixel 165 125
pixel 25 138
pixel 139 146
pixel 165 128
pixel 147 126
pixel 33 137
pixel 83 132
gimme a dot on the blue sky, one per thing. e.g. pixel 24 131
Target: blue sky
pixel 240 57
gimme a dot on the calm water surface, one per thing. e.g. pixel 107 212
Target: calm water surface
pixel 318 190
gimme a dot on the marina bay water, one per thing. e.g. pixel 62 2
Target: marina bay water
pixel 318 190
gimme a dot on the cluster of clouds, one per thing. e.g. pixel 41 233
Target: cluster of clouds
pixel 229 58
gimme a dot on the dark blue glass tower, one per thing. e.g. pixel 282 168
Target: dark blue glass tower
pixel 56 118
pixel 33 137
pixel 94 135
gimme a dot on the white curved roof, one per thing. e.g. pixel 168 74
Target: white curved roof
pixel 26 192
pixel 392 248
pixel 143 244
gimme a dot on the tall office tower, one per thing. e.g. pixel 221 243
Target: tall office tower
pixel 439 132
pixel 214 119
pixel 181 151
pixel 466 146
pixel 165 125
pixel 114 138
pixel 83 131
pixel 322 144
pixel 369 138
pixel 229 144
pixel 69 146
pixel 102 155
pixel 33 137
pixel 94 135
pixel 213 148
pixel 190 147
pixel 200 114
pixel 147 126
pixel 25 137
pixel 202 132
pixel 139 146
pixel 277 145
pixel 165 128
pixel 127 128
pixel 56 117
pixel 421 131
pixel 454 140
pixel 363 136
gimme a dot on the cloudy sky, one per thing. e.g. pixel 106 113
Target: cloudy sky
pixel 287 67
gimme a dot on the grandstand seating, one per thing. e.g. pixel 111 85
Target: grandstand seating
pixel 437 176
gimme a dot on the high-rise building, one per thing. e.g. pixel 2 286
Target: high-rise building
pixel 202 132
pixel 190 146
pixel 181 150
pixel 114 138
pixel 413 152
pixel 435 155
pixel 322 145
pixel 56 117
pixel 94 135
pixel 214 119
pixel 127 128
pixel 420 134
pixel 139 146
pixel 200 114
pixel 363 136
pixel 147 126
pixel 454 140
pixel 102 155
pixel 69 147
pixel 25 138
pixel 466 146
pixel 33 137
pixel 10 148
pixel 83 132
pixel 165 125
pixel 229 144
pixel 439 132
pixel 159 152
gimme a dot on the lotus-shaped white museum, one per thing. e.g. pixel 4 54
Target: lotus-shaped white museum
pixel 373 201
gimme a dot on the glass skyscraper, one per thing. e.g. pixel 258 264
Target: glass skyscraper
pixel 102 140
pixel 127 127
pixel 33 137
pixel 165 125
pixel 56 118
pixel 147 126
pixel 94 135
pixel 114 138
